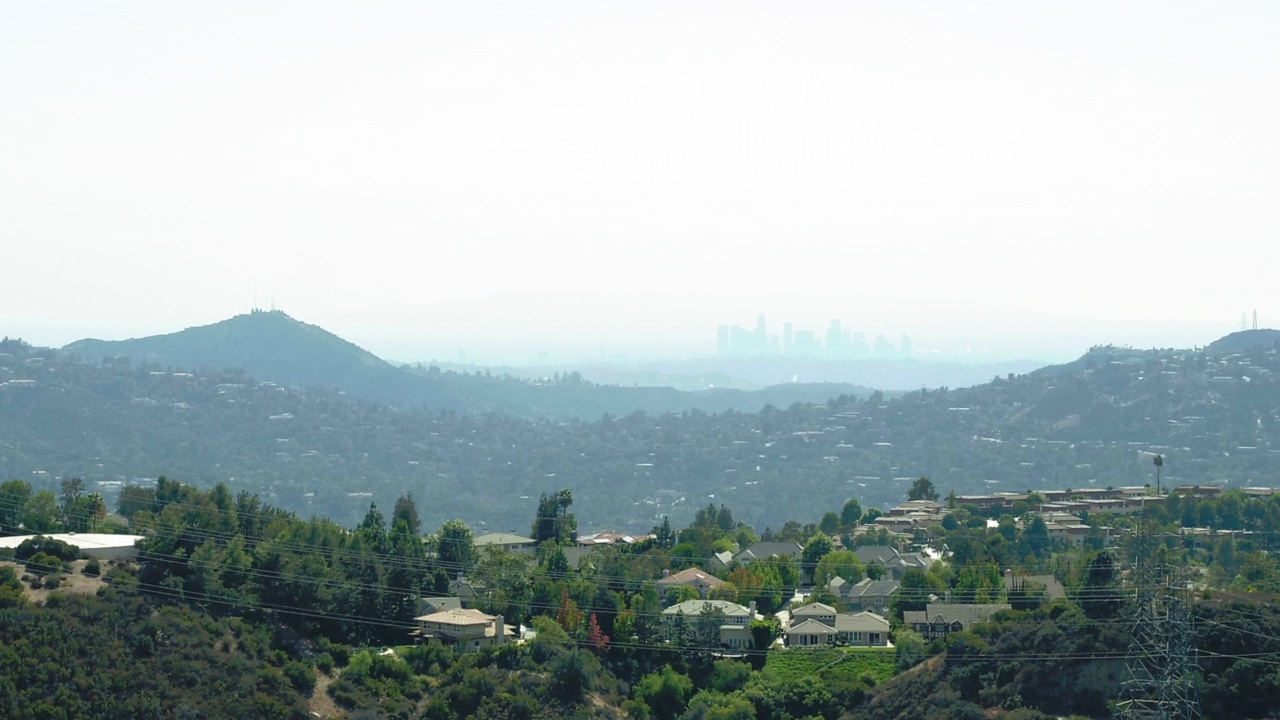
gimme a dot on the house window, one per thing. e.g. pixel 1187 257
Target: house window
pixel 879 601
pixel 855 637
pixel 874 639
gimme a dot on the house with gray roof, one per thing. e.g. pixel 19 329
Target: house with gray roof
pixel 735 620
pixel 506 541
pixel 896 564
pixel 866 594
pixel 766 550
pixel 939 620
pixel 823 626
pixel 1052 588
pixel 814 611
pixel 428 605
pixel 720 560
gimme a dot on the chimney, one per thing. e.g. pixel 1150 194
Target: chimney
pixel 666 574
pixel 1008 575
pixel 753 610
pixel 499 630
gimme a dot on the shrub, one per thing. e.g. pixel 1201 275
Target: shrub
pixel 324 662
pixel 31 547
pixel 301 676
pixel 92 568
pixel 42 563
pixel 53 580
pixel 430 659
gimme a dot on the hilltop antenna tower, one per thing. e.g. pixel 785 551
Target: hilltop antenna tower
pixel 1160 668
pixel 1255 318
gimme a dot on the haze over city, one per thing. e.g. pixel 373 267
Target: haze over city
pixel 587 180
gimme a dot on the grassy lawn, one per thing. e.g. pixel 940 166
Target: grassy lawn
pixel 794 663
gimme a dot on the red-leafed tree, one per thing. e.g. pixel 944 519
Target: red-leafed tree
pixel 569 617
pixel 598 639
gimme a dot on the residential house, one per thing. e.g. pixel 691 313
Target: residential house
pixel 896 564
pixel 506 541
pixel 463 588
pixel 463 630
pixel 429 605
pixel 693 577
pixel 735 619
pixel 720 560
pixel 821 612
pixel 866 594
pixel 938 620
pixel 822 626
pixel 765 550
pixel 1052 588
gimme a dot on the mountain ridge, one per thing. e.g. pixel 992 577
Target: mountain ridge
pixel 1214 417
pixel 272 346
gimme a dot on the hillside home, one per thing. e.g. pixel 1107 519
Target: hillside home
pixel 866 594
pixel 823 626
pixel 692 577
pixel 506 541
pixel 720 560
pixel 765 550
pixel 938 620
pixel 1052 588
pixel 734 622
pixel 896 564
pixel 821 612
pixel 463 630
pixel 429 605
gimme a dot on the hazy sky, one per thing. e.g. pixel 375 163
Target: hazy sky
pixel 426 177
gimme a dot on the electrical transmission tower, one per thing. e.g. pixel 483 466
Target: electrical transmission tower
pixel 1161 666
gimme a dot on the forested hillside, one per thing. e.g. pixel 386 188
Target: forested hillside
pixel 1095 421
pixel 238 609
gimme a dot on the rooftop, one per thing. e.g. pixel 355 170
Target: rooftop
pixel 80 540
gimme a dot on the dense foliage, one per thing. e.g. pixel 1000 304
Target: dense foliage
pixel 119 656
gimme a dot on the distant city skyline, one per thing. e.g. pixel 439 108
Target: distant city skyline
pixel 837 343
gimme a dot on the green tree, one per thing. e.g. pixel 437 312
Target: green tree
pixel 666 692
pixel 851 512
pixel 1100 596
pixel 14 495
pixel 665 537
pixel 40 514
pixel 818 547
pixel 922 489
pixel 406 511
pixel 455 547
pixel 910 648
pixel 72 489
pixel 764 632
pixel 841 563
pixel 1037 537
pixel 914 590
pixel 553 520
pixel 830 523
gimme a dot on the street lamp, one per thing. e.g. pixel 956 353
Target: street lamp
pixel 1159 463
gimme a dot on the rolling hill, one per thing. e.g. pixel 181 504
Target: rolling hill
pixel 273 347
